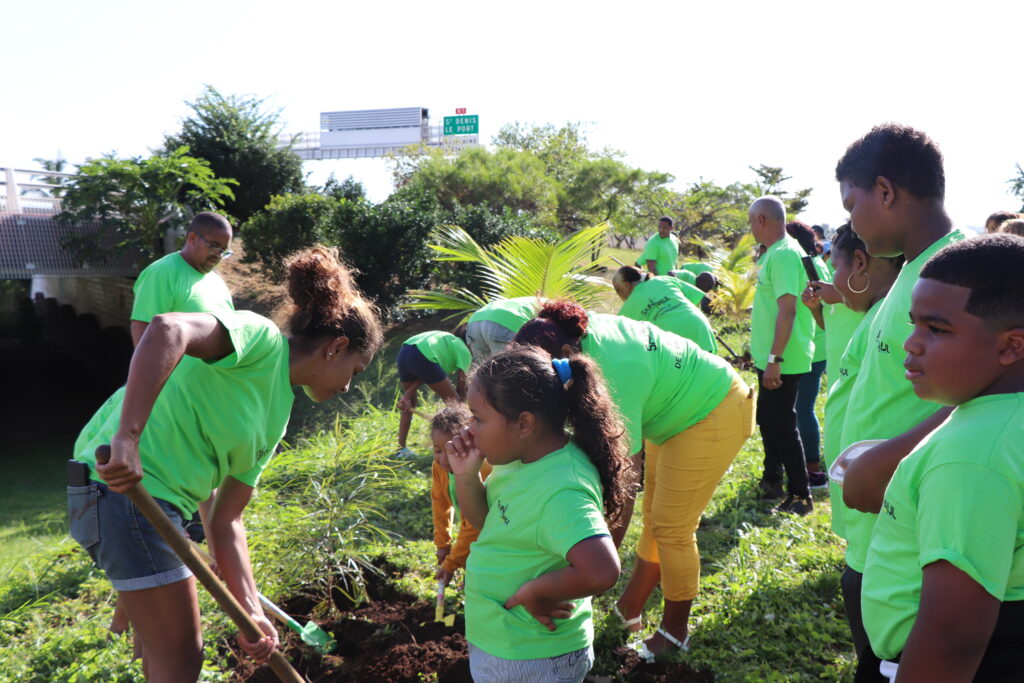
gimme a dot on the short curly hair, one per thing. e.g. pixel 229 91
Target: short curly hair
pixel 451 419
pixel 904 155
pixel 989 266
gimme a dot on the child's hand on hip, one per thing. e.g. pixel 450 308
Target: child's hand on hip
pixel 464 457
pixel 545 610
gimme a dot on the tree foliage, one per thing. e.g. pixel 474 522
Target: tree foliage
pixel 286 224
pixel 57 165
pixel 238 136
pixel 496 180
pixel 386 242
pixel 516 267
pixel 595 186
pixel 770 180
pixel 141 198
pixel 1017 185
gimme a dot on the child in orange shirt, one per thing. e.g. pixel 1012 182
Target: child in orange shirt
pixel 443 427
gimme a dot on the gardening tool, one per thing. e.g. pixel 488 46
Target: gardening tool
pixel 449 620
pixel 311 634
pixel 174 537
pixel 727 348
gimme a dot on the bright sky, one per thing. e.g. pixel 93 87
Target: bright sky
pixel 693 89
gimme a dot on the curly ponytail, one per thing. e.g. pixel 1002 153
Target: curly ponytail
pixel 522 379
pixel 558 323
pixel 325 302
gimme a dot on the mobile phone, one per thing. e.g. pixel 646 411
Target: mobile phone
pixel 810 269
pixel 78 473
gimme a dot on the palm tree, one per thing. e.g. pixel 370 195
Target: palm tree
pixel 518 266
pixel 737 276
pixel 56 165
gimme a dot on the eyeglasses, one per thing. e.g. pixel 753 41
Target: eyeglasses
pixel 217 250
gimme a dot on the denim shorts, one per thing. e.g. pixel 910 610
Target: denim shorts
pixel 486 337
pixel 121 540
pixel 413 365
pixel 571 667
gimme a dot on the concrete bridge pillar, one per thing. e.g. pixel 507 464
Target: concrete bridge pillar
pixel 13 205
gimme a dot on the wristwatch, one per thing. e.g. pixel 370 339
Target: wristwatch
pixel 774 359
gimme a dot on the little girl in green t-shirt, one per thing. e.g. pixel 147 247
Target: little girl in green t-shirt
pixel 544 546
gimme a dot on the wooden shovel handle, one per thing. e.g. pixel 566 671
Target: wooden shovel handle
pixel 174 537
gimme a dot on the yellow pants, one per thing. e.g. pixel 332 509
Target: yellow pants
pixel 680 477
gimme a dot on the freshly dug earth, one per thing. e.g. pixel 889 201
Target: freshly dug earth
pixel 393 638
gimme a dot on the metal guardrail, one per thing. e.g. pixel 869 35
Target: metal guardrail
pixel 32 195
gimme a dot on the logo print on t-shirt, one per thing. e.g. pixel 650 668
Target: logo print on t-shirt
pixel 882 346
pixel 504 513
pixel 889 508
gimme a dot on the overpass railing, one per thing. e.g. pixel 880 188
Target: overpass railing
pixel 32 192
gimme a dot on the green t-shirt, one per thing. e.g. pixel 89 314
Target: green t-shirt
pixel 211 420
pixel 958 497
pixel 662 301
pixel 443 348
pixel 664 251
pixel 536 513
pixel 696 267
pixel 172 285
pixel 509 313
pixel 781 272
pixel 883 403
pixel 840 323
pixel 820 335
pixel 661 382
pixel 694 294
pixel 835 412
pixel 690 279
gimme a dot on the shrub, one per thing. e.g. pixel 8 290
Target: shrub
pixel 290 222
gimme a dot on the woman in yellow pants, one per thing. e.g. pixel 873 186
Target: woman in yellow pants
pixel 691 410
pixel 680 476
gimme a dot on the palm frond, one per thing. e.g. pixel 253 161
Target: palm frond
pixel 461 302
pixel 520 266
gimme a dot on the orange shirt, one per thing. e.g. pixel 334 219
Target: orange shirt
pixel 442 507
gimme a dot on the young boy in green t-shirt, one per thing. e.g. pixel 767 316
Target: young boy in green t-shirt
pixel 893 184
pixel 943 590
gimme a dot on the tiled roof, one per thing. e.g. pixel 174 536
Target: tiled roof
pixel 32 245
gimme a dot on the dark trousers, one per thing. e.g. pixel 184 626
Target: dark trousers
pixel 783 450
pixel 850 582
pixel 1003 661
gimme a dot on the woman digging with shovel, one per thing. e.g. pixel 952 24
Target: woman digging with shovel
pixel 208 398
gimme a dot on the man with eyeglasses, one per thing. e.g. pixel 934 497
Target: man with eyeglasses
pixel 184 282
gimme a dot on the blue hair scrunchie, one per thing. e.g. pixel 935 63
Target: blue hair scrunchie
pixel 563 370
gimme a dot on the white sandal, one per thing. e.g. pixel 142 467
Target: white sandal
pixel 627 623
pixel 648 656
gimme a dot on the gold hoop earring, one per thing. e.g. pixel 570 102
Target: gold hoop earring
pixel 858 291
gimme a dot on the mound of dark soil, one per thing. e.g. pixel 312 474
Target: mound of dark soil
pixel 392 637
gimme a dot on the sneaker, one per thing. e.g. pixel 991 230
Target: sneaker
pixel 795 505
pixel 770 491
pixel 405 453
pixel 817 480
